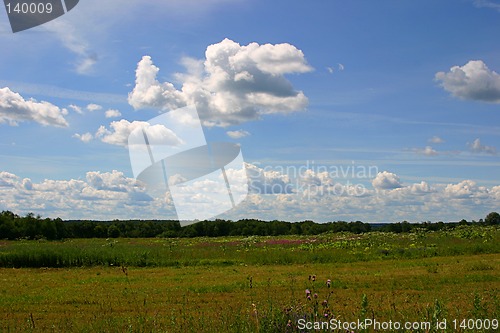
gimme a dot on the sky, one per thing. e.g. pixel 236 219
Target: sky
pixel 378 111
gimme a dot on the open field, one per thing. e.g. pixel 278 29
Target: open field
pixel 253 284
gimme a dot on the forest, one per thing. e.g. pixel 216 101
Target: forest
pixel 13 226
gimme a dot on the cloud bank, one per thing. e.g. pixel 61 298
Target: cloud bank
pixel 273 195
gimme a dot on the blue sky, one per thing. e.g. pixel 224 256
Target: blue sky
pixel 408 90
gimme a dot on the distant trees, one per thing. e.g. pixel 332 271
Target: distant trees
pixel 492 218
pixel 13 226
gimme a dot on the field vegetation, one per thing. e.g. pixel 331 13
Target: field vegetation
pixel 250 283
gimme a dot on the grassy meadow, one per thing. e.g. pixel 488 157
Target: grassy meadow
pixel 249 284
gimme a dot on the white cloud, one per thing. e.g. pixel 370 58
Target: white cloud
pixel 473 81
pixel 150 93
pixel 310 177
pixel 86 137
pixel 85 65
pixel 436 140
pixel 465 189
pixel 477 147
pixel 111 113
pixel 27 184
pixel 120 130
pixel 264 181
pixel 76 108
pixel 93 107
pixel 495 192
pixel 73 39
pixel 8 179
pixel 101 195
pixel 14 109
pixel 109 195
pixel 421 188
pixel 487 4
pixel 114 181
pixel 386 180
pixel 233 84
pixel 237 134
pixel 427 151
pixel 416 202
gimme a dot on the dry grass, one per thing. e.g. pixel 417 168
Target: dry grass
pixel 219 299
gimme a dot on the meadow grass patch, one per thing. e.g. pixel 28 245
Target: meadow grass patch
pixel 240 284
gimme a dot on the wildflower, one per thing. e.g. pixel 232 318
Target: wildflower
pixel 326 315
pixel 324 303
pixel 308 292
pixel 328 283
pixel 315 295
pixel 314 278
pixel 308 297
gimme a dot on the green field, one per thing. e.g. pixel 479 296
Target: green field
pixel 250 284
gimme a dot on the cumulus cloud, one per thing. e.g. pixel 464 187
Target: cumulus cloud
pixel 473 81
pixel 477 147
pixel 465 189
pixel 237 134
pixel 85 137
pixel 110 181
pixel 233 84
pixel 99 195
pixel 313 185
pixel 386 180
pixel 416 202
pixel 109 195
pixel 436 140
pixel 264 181
pixel 427 151
pixel 421 188
pixel 111 113
pixel 8 179
pixel 119 132
pixel 93 107
pixel 14 109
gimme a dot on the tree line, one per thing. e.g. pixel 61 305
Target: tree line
pixel 13 226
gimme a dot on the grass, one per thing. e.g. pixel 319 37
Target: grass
pixel 254 250
pixel 254 284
